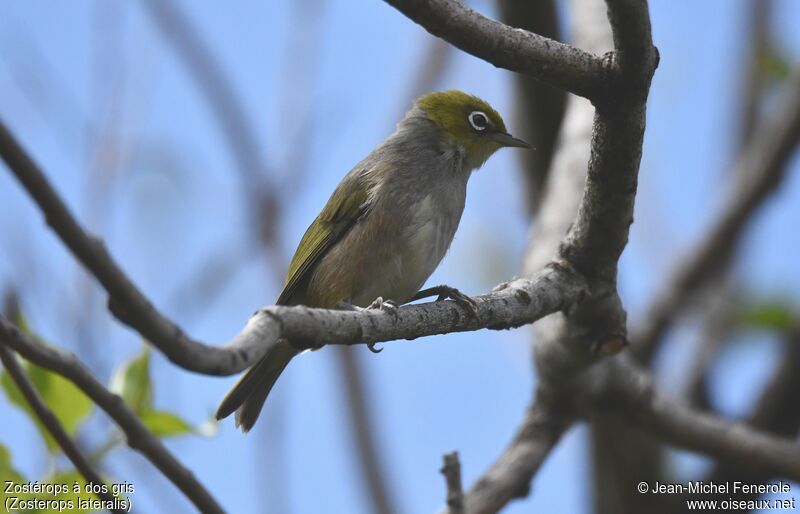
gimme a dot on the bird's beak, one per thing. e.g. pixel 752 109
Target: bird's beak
pixel 509 140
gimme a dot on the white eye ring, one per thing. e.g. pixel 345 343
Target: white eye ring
pixel 478 120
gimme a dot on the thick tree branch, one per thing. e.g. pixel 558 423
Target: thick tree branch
pixel 761 168
pixel 138 436
pixel 558 64
pixel 52 425
pixel 568 344
pixel 600 231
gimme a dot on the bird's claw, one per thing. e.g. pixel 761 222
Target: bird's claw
pixel 387 306
pixel 460 298
pixel 371 347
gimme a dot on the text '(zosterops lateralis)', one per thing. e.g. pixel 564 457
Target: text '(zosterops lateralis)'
pixel 386 226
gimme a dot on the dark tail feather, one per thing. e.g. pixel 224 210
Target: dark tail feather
pixel 248 395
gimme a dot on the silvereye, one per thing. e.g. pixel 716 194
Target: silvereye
pixel 386 226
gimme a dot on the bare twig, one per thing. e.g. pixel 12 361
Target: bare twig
pixel 762 167
pixel 757 15
pixel 138 436
pixel 451 469
pixel 55 429
pixel 560 65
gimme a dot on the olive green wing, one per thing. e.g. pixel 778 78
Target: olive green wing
pixel 345 207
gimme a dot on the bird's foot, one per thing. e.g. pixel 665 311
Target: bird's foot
pixel 443 292
pixel 387 306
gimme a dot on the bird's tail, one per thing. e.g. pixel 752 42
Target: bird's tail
pixel 248 395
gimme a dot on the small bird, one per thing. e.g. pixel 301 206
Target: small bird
pixel 386 227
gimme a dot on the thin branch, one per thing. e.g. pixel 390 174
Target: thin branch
pixel 680 425
pixel 452 477
pixel 513 304
pixel 214 84
pixel 558 64
pixel 55 429
pixel 258 191
pixel 762 167
pixel 138 436
pixel 776 411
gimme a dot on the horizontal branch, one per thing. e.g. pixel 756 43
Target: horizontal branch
pixel 138 436
pixel 510 305
pixel 555 63
pixel 632 395
pixel 513 304
pixel 729 441
pixel 761 168
pixel 54 427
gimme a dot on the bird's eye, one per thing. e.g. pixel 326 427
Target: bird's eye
pixel 478 120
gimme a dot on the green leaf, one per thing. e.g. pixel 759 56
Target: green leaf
pixel 7 471
pixel 68 403
pixel 771 314
pixel 165 424
pixel 132 382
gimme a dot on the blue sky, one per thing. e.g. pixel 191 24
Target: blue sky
pixel 71 70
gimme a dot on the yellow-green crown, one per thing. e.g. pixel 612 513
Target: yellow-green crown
pixel 450 109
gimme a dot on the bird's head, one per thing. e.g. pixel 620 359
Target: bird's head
pixel 469 122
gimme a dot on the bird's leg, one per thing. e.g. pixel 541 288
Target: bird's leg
pixel 444 292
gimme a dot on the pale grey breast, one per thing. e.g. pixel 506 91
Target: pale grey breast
pixel 428 205
pixel 417 194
